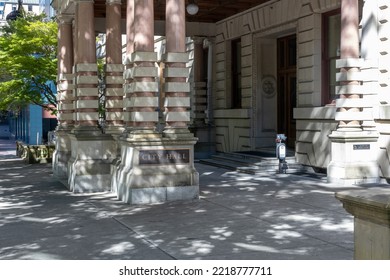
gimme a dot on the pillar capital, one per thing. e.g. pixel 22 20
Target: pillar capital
pixel 65 19
pixel 198 40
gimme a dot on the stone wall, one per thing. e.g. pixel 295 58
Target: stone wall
pixel 242 129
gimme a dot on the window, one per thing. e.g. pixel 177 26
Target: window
pixel 331 23
pixel 236 89
pixel 30 8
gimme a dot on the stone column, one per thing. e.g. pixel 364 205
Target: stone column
pixel 65 96
pixel 153 168
pixel 176 87
pixel 113 69
pixel 92 151
pixel 199 104
pixel 128 64
pixel 353 149
pixel 200 126
pixel 141 94
pixel 87 96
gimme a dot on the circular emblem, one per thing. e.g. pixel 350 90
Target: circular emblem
pixel 268 86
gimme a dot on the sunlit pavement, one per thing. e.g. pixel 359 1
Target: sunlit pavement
pixel 238 216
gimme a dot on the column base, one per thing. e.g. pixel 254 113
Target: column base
pixel 353 173
pixel 156 171
pixel 354 157
pixel 89 168
pixel 62 153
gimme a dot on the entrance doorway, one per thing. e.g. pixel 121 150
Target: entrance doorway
pixel 287 87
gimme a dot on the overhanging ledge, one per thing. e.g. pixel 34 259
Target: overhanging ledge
pixel 371 204
pixel 371 211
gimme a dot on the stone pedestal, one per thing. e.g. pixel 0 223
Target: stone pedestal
pixel 156 170
pixel 353 158
pixel 371 210
pixel 62 153
pixel 89 168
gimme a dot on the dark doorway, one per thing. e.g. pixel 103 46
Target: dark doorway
pixel 287 87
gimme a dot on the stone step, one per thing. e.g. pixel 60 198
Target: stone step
pixel 251 164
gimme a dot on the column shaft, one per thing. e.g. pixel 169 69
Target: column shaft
pixel 176 88
pixel 141 86
pixel 348 111
pixel 65 78
pixel 87 98
pixel 113 69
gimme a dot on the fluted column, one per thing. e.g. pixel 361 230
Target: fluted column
pixel 113 69
pixel 176 87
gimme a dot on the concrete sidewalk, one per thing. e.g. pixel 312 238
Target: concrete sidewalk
pixel 238 216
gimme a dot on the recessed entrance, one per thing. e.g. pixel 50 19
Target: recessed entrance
pixel 287 85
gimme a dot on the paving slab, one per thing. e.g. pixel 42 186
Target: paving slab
pixel 238 216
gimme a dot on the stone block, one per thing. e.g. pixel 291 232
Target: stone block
pixel 65 116
pixel 114 116
pixel 177 116
pixel 349 63
pixel 349 76
pixel 138 56
pixel 114 80
pixel 66 106
pixel 177 102
pixel 371 210
pixel 114 67
pixel 141 102
pixel 176 72
pixel 140 71
pixel 176 87
pixel 156 171
pixel 84 104
pixel 87 92
pixel 90 80
pixel 354 102
pixel 63 86
pixel 90 116
pixel 175 57
pixel 114 92
pixel 141 87
pixel 114 103
pixel 142 116
pixel 86 67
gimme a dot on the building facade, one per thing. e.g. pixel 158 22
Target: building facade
pixel 315 70
pixel 7 6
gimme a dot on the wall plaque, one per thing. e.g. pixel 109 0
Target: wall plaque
pixel 178 156
pixel 361 147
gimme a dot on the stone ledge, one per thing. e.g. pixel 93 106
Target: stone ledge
pixel 372 204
